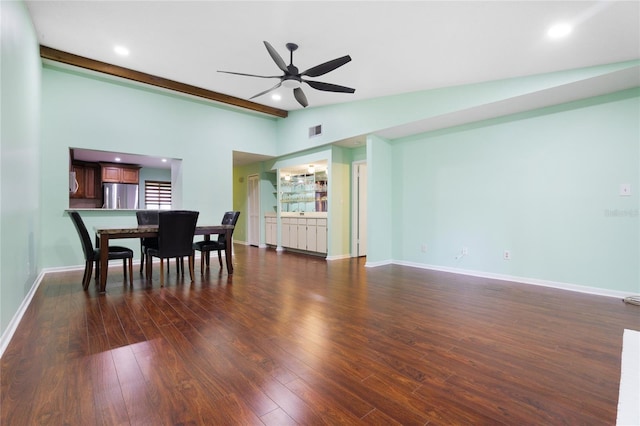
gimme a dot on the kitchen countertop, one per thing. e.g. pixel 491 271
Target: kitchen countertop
pixel 299 214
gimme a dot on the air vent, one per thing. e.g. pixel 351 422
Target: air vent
pixel 315 131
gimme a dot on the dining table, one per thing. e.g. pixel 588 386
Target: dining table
pixel 104 235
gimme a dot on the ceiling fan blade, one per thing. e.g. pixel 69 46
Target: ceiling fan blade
pixel 250 75
pixel 267 91
pixel 328 87
pixel 300 97
pixel 276 57
pixel 321 69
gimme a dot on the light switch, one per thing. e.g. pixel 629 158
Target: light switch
pixel 625 189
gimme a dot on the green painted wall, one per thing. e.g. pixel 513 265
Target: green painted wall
pixel 347 120
pixel 19 159
pixel 85 111
pixel 268 199
pixel 339 223
pixel 380 190
pixel 544 185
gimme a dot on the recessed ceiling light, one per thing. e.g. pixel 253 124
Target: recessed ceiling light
pixel 118 159
pixel 276 97
pixel 560 30
pixel 121 50
pixel 164 160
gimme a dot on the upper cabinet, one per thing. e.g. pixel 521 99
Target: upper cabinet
pixel 117 173
pixel 304 192
pixel 87 181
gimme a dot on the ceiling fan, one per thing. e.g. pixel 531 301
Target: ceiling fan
pixel 292 77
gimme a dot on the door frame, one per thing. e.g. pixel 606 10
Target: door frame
pixel 356 210
pixel 253 235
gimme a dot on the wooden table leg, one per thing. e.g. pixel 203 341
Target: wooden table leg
pixel 104 262
pixel 228 252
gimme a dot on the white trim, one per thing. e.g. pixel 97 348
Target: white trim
pixel 354 201
pixel 513 278
pixel 253 191
pixel 339 257
pixel 17 318
pixel 376 264
pixel 629 392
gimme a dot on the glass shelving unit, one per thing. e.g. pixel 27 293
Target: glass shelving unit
pixel 304 192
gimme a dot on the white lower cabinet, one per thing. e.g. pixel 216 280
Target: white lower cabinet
pixel 302 234
pixel 311 237
pixel 309 234
pixel 321 235
pixel 271 230
pixel 285 233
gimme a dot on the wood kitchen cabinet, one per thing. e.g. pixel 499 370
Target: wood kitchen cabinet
pixel 120 173
pixel 87 176
pixel 92 182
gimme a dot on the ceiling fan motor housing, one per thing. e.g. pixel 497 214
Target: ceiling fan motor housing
pixel 292 81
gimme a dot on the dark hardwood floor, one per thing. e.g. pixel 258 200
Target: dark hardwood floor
pixel 293 339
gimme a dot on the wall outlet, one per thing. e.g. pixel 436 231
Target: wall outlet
pixel 465 251
pixel 423 248
pixel 506 255
pixel 625 189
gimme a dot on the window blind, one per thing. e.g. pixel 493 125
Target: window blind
pixel 157 194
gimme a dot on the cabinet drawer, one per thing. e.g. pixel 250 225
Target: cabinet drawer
pixel 321 222
pixel 311 222
pixel 288 221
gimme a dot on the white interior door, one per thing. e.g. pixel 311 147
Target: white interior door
pixel 359 209
pixel 253 207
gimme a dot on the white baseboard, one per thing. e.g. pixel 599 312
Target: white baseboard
pixel 513 278
pixel 375 264
pixel 22 309
pixel 338 257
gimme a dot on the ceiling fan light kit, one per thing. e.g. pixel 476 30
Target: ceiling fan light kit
pixel 293 78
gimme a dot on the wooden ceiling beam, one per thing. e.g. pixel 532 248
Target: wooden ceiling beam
pixel 103 67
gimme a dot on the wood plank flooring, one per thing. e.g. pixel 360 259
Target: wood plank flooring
pixel 294 339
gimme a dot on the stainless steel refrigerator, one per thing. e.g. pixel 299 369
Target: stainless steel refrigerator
pixel 120 196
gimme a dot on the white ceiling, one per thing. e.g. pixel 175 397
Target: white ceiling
pixel 396 46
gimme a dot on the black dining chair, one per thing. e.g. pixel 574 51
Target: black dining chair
pixel 176 229
pixel 92 254
pixel 147 217
pixel 219 245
